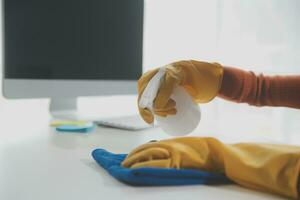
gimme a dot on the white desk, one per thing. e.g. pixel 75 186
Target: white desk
pixel 38 163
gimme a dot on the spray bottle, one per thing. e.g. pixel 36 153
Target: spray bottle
pixel 188 112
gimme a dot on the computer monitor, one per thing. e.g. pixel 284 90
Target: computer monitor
pixel 62 49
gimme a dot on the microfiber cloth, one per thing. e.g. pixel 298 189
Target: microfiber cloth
pixel 154 176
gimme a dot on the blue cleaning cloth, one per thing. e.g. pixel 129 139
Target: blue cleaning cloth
pixel 154 176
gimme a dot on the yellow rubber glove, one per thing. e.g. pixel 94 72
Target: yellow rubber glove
pixel 266 167
pixel 201 80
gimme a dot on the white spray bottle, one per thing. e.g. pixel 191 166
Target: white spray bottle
pixel 188 112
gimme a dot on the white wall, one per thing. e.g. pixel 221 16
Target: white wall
pixel 179 29
pixel 261 35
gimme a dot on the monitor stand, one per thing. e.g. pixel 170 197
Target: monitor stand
pixel 66 109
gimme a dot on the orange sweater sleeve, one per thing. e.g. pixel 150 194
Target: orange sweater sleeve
pixel 259 90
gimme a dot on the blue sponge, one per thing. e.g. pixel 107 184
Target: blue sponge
pixel 154 176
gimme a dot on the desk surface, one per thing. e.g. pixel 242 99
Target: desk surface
pixel 39 163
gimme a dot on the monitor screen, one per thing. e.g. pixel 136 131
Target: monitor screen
pixel 73 39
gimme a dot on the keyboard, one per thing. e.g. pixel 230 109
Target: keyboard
pixel 133 122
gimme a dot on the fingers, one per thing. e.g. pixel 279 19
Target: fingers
pixel 144 80
pixel 164 163
pixel 169 109
pixel 166 89
pixel 163 105
pixel 146 155
pixel 170 105
pixel 165 113
pixel 142 84
pixel 146 115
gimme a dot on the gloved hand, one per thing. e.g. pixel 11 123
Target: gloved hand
pixel 266 167
pixel 201 80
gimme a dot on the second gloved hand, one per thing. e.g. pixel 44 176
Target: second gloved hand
pixel 201 80
pixel 271 168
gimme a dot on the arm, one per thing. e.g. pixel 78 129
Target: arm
pixel 266 167
pixel 259 90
